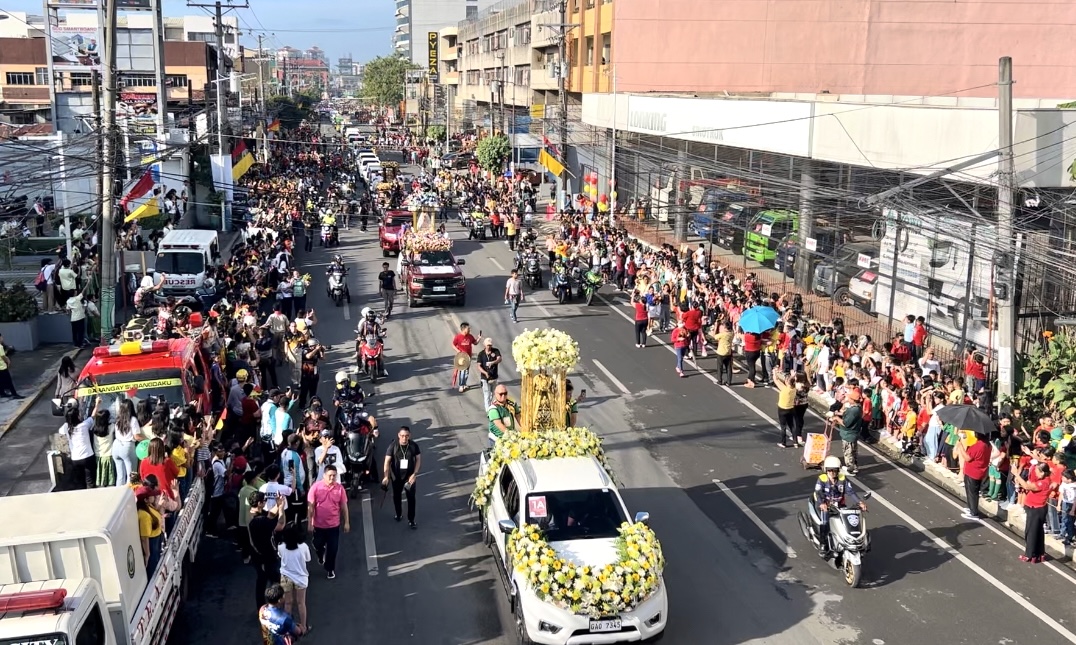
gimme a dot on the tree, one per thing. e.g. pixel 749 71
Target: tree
pixel 383 79
pixel 436 132
pixel 493 152
pixel 1049 383
pixel 290 113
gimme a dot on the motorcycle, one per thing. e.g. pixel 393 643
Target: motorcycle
pixel 330 236
pixel 371 355
pixel 560 286
pixel 360 452
pixel 575 279
pixel 592 282
pixel 532 270
pixel 530 238
pixel 847 541
pixel 478 229
pixel 337 286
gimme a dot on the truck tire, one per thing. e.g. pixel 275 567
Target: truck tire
pixel 843 297
pixel 461 301
pixel 411 302
pixel 385 253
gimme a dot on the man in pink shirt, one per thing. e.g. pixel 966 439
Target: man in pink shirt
pixel 327 506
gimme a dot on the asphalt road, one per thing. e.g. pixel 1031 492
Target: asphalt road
pixel 738 570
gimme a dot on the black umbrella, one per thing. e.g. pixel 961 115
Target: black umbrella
pixel 967 417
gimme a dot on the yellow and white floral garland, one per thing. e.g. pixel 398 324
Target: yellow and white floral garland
pixel 425 242
pixel 545 349
pixel 572 442
pixel 608 590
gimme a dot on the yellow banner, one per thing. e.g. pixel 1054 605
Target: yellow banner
pixel 242 166
pixel 149 209
pixel 124 387
pixel 550 163
pixel 537 111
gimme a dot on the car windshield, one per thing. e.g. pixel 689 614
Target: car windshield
pixel 576 514
pixel 435 259
pixel 156 384
pixel 190 263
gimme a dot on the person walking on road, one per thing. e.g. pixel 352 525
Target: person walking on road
pixel 262 528
pixel 489 362
pixel 464 343
pixel 403 461
pixel 513 294
pixel 278 627
pixel 386 288
pixel 849 428
pixel 294 577
pixel 327 510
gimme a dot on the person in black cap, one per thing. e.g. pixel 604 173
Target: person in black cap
pixel 263 527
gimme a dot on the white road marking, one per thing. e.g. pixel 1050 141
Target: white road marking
pixel 368 534
pixel 982 573
pixel 755 519
pixel 960 557
pixel 347 311
pixel 612 379
pixel 497 264
pixel 545 312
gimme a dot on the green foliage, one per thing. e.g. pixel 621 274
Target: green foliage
pixel 383 79
pixel 290 112
pixel 1049 383
pixel 16 303
pixel 493 152
pixel 436 132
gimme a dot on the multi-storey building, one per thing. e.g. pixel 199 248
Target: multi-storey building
pixel 297 70
pixel 415 19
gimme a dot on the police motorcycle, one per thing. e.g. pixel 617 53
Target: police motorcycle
pixel 479 226
pixel 336 285
pixel 357 430
pixel 370 345
pixel 592 281
pixel 843 538
pixel 529 265
pixel 560 283
pixel 330 235
pixel 530 238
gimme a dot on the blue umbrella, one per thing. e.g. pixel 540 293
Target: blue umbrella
pixel 758 319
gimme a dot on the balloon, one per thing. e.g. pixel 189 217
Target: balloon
pixel 604 198
pixel 142 449
pixel 603 207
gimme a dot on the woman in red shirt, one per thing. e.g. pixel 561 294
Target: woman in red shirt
pixel 641 320
pixel 681 338
pixel 160 463
pixel 752 350
pixel 1037 491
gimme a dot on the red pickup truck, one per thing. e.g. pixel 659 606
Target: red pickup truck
pixel 433 276
pixel 390 230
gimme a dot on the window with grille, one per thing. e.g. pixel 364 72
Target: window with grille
pixel 176 80
pixel 139 80
pixel 20 78
pixel 81 79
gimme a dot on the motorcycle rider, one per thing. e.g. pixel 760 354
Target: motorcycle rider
pixel 347 390
pixel 369 329
pixel 337 266
pixel 832 491
pixel 328 223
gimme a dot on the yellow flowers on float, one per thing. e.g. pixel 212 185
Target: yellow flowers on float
pixel 549 350
pixel 608 590
pixel 572 442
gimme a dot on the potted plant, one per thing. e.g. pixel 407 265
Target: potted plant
pixel 18 316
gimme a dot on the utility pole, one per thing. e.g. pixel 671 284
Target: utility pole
pixel 261 79
pixel 99 157
pixel 562 84
pixel 107 172
pixel 1004 290
pixel 223 148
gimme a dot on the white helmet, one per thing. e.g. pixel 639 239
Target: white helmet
pixel 367 312
pixel 831 463
pixel 341 376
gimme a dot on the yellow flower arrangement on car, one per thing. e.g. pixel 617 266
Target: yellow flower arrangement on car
pixel 551 350
pixel 570 442
pixel 608 590
pixel 425 242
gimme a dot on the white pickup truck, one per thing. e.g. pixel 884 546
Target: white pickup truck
pixel 72 570
pixel 580 509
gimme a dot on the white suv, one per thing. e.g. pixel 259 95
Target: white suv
pixel 576 494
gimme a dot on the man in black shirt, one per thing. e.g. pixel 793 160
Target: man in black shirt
pixel 386 287
pixel 489 360
pixel 402 463
pixel 263 526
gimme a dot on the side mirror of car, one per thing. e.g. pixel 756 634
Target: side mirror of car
pixel 461 262
pixel 506 526
pixel 642 517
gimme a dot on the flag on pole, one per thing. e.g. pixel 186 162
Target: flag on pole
pixel 242 160
pixel 274 126
pixel 548 162
pixel 546 143
pixel 141 187
pixel 148 209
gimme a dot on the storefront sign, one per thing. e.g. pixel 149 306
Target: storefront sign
pixel 434 57
pixel 76 47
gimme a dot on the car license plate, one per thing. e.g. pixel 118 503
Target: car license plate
pixel 436 289
pixel 606 625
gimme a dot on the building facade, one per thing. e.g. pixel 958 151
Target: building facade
pixel 415 19
pixel 300 71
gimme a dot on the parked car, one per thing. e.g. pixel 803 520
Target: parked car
pixel 713 204
pixel 733 223
pixel 457 160
pixel 831 276
pixel 766 231
pixel 862 289
pixel 826 241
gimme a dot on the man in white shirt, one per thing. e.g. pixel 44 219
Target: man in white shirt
pixel 274 491
pixel 328 454
pixel 78 319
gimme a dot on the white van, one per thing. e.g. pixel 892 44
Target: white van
pixel 185 255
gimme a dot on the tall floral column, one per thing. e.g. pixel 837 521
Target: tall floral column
pixel 544 357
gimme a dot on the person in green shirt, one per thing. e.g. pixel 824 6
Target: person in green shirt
pixel 571 410
pixel 849 429
pixel 502 415
pixel 251 483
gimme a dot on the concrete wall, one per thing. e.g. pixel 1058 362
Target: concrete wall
pixel 917 48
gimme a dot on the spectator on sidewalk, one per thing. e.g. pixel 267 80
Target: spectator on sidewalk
pixel 77 307
pixel 974 454
pixel 6 384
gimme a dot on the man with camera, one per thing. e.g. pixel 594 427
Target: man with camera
pixel 403 460
pixel 308 379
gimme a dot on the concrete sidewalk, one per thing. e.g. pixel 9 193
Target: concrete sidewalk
pixel 34 374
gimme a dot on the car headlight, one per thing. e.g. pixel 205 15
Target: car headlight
pixel 459 282
pixel 548 628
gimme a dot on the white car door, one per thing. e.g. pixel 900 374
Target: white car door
pixel 504 505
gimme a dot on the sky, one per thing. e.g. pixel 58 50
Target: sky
pixel 361 28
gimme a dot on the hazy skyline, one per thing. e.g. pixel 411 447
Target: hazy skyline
pixel 364 33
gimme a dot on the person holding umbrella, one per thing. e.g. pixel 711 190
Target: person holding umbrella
pixel 754 323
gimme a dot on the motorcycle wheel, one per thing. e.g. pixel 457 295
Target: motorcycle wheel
pixel 373 376
pixel 852 573
pixel 590 297
pixel 805 527
pixel 563 297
